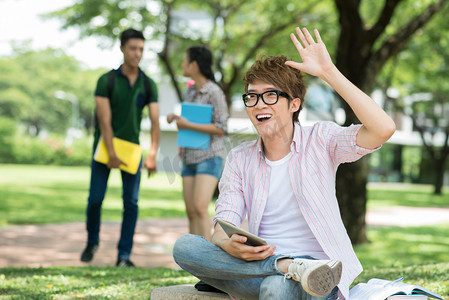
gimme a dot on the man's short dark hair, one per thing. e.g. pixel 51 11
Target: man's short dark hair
pixel 273 70
pixel 130 33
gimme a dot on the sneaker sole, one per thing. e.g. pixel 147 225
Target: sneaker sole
pixel 337 268
pixel 321 280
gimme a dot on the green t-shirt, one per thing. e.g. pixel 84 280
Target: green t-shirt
pixel 127 104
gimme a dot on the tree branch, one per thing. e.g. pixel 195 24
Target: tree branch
pixel 422 132
pixel 395 43
pixel 163 55
pixel 237 69
pixel 349 16
pixel 383 21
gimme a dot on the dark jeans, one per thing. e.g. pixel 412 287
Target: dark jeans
pixel 130 195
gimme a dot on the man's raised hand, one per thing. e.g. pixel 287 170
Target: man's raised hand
pixel 315 58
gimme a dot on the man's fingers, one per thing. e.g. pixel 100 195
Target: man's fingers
pixel 308 37
pixel 294 64
pixel 295 41
pixel 301 36
pixel 317 35
pixel 305 37
pixel 151 171
pixel 261 252
pixel 239 238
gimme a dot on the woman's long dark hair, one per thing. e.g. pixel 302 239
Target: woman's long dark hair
pixel 203 58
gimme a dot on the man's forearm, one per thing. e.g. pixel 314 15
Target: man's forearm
pixel 155 134
pixel 104 119
pixel 108 134
pixel 378 126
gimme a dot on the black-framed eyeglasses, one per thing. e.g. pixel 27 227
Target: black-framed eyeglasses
pixel 269 97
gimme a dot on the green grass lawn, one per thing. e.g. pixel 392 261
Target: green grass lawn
pixel 44 190
pixel 114 283
pixel 86 282
pixel 398 194
pixel 48 194
pixel 51 194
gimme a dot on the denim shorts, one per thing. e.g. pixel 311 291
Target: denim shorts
pixel 212 166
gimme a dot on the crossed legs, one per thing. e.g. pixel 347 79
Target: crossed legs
pixel 251 280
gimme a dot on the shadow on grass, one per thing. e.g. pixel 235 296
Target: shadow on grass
pixel 404 246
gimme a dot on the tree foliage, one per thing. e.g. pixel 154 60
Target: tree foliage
pixel 370 35
pixel 363 35
pixel 29 83
pixel 237 31
pixel 420 73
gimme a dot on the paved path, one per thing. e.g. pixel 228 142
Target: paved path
pixel 61 244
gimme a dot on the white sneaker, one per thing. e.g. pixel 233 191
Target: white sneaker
pixel 317 277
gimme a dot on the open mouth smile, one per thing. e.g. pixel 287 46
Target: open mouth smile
pixel 263 117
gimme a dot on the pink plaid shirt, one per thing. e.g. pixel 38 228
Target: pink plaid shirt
pixel 317 152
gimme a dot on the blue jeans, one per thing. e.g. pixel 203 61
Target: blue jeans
pixel 212 166
pixel 130 194
pixel 251 280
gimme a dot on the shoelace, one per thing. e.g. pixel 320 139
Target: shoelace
pixel 294 275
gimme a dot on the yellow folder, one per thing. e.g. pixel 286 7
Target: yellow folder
pixel 128 152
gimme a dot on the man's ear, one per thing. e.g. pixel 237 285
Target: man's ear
pixel 295 104
pixel 122 48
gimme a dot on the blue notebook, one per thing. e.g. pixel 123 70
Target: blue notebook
pixel 196 113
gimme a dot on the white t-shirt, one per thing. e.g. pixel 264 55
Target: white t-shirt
pixel 283 223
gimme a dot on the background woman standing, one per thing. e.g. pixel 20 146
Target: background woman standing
pixel 202 168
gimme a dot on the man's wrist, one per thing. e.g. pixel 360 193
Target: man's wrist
pixel 151 154
pixel 112 155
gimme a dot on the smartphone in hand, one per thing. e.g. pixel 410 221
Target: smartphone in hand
pixel 230 229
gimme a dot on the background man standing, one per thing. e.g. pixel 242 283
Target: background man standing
pixel 120 98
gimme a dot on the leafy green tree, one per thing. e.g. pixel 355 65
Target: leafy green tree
pixel 12 101
pixel 7 133
pixel 237 31
pixel 371 33
pixel 367 35
pixel 420 73
pixel 29 83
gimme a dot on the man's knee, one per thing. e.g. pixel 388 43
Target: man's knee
pixel 94 203
pixel 130 206
pixel 183 246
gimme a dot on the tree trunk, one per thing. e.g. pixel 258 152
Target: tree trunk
pixel 351 195
pixel 397 161
pixel 360 60
pixel 439 175
pixel 440 166
pixel 166 61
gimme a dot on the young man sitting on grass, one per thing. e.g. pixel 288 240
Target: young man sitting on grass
pixel 284 183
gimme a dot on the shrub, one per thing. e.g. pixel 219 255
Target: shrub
pixel 7 133
pixel 50 151
pixel 32 150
